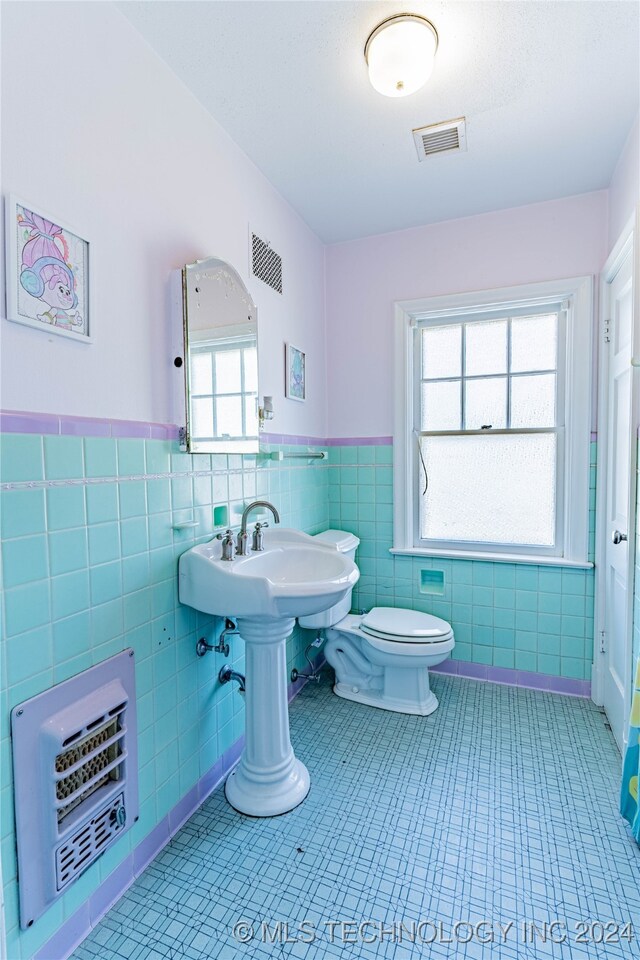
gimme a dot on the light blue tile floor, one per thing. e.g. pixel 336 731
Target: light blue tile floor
pixel 501 807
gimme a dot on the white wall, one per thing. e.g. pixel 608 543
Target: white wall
pixel 624 190
pixel 98 131
pixel 544 241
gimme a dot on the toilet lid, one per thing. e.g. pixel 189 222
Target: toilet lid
pixel 392 623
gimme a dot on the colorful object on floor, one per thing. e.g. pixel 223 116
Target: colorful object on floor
pixel 631 770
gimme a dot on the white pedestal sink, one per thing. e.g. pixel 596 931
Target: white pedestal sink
pixel 294 576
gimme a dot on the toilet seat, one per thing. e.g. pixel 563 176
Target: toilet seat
pixel 398 625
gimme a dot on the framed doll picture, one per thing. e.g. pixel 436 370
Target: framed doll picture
pixel 295 387
pixel 48 273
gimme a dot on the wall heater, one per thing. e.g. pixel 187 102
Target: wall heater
pixel 75 771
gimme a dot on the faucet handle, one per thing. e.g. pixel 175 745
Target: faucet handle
pixel 258 537
pixel 228 546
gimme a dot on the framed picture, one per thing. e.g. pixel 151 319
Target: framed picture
pixel 48 273
pixel 295 387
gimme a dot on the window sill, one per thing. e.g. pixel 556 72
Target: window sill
pixel 540 561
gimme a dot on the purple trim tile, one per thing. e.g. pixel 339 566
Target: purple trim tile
pixel 286 438
pixel 211 780
pixel 183 810
pixel 19 421
pixel 151 846
pixel 15 421
pixel 570 687
pixel 231 756
pixel 130 428
pixel 163 431
pixel 111 890
pixel 359 442
pixel 500 675
pixel 67 937
pixel 475 671
pixel 515 678
pixel 534 681
pixel 447 666
pixel 594 435
pixel 84 427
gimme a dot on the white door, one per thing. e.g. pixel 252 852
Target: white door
pixel 620 501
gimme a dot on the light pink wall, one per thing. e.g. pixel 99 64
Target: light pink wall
pixel 98 131
pixel 544 241
pixel 624 190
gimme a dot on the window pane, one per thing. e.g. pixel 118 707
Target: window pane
pixel 486 347
pixel 202 419
pixel 441 351
pixel 201 381
pixel 251 415
pixel 534 343
pixel 227 371
pixel 490 489
pixel 486 403
pixel 441 405
pixel 229 413
pixel 251 370
pixel 533 401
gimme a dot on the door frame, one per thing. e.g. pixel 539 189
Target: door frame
pixel 627 244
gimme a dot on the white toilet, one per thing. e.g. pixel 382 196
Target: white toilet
pixel 381 658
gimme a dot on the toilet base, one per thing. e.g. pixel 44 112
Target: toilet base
pixel 383 701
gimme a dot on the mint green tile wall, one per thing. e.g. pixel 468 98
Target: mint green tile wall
pixel 529 617
pixel 89 559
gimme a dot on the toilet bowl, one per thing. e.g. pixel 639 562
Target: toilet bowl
pixel 382 658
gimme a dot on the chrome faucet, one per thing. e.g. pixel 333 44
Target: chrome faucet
pixel 257 540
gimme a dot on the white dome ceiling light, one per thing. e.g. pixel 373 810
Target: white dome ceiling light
pixel 400 54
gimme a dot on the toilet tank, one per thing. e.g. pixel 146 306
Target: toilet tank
pixel 346 543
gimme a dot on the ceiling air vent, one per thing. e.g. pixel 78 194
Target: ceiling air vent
pixel 440 138
pixel 266 264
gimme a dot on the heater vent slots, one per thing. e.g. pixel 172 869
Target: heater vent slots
pixel 88 765
pixel 75 769
pixel 266 264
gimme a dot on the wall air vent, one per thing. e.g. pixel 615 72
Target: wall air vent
pixel 75 778
pixel 440 138
pixel 266 264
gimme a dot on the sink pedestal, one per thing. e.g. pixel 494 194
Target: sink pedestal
pixel 268 780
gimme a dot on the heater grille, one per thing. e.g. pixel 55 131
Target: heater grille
pixel 440 138
pixel 75 855
pixel 266 264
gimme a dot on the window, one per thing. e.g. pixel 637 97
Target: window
pixel 220 410
pixel 492 426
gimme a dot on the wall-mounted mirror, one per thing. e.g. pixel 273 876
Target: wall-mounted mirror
pixel 221 360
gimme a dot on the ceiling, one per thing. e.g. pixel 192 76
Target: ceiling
pixel 549 90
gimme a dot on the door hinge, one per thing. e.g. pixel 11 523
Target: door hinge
pixel 607 331
pixel 603 644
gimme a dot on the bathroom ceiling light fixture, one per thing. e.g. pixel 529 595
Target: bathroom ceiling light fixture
pixel 400 54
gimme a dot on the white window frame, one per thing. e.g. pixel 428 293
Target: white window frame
pixel 576 296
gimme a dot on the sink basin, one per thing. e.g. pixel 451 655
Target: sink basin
pixel 294 576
